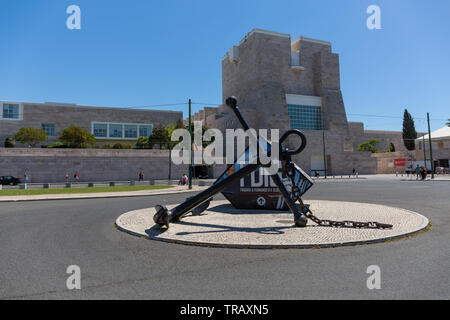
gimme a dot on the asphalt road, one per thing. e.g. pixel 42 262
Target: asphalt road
pixel 39 240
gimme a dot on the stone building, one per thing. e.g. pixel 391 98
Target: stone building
pixel 287 84
pixel 109 125
pixel 440 143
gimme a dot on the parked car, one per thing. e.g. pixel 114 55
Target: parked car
pixel 10 181
pixel 442 170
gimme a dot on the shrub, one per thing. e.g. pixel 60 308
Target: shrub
pixel 142 143
pixel 9 143
pixel 119 145
pixel 58 145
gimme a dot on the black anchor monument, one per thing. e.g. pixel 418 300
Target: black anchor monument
pixel 228 183
pixel 236 172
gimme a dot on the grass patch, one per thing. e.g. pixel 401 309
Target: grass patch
pixel 29 192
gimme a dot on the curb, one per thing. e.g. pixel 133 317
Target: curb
pixel 98 196
pixel 277 247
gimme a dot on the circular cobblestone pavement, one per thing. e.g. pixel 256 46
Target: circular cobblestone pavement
pixel 223 226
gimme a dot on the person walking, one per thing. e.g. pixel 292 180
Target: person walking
pixel 141 176
pixel 67 177
pixel 422 173
pixel 76 176
pixel 417 172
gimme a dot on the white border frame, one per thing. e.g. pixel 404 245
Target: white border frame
pixel 302 100
pixel 123 124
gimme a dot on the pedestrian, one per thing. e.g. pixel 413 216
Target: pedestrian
pixel 76 176
pixel 422 173
pixel 67 177
pixel 417 172
pixel 141 176
pixel 353 171
pixel 184 180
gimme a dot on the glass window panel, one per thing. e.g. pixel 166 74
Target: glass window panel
pixel 130 131
pixel 305 117
pixel 100 130
pixel 49 129
pixel 115 131
pixel 10 111
pixel 145 131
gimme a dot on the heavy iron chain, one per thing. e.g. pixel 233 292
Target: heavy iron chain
pixel 329 223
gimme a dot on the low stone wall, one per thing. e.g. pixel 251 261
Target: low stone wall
pixel 385 161
pixel 51 165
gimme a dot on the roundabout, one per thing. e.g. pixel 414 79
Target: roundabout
pixel 223 226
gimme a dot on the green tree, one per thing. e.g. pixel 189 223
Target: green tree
pixel 9 143
pixel 369 146
pixel 159 136
pixel 77 137
pixel 391 147
pixel 448 123
pixel 409 131
pixel 30 136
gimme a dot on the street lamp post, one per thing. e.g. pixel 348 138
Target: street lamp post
pixel 431 148
pixel 190 149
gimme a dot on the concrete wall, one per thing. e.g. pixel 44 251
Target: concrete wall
pixel 51 165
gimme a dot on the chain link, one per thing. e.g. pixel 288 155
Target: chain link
pixel 296 196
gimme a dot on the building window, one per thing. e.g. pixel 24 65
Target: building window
pixel 295 58
pixel 49 129
pixel 115 131
pixel 124 131
pixel 11 111
pixel 100 130
pixel 130 131
pixel 305 117
pixel 145 131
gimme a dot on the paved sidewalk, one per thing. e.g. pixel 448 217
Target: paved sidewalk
pixel 177 189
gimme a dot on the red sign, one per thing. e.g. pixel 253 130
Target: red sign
pixel 400 162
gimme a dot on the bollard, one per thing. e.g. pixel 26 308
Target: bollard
pixel 112 184
pixel 23 186
pixel 132 183
pixel 68 185
pixel 90 185
pixel 46 186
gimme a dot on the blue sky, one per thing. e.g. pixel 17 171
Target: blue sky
pixel 137 53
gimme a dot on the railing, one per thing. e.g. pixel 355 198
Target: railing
pixel 54 185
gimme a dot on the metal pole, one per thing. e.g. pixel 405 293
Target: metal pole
pixel 190 150
pixel 170 165
pixel 324 154
pixel 424 154
pixel 431 148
